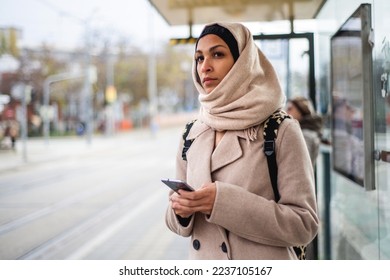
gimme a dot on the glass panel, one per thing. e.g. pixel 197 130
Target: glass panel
pixel 291 62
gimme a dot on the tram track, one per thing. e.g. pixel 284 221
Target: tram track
pixel 108 216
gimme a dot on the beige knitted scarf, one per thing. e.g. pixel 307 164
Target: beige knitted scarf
pixel 248 94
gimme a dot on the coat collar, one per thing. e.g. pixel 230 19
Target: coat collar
pixel 199 127
pixel 227 151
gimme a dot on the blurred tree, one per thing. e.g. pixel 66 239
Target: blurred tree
pixel 170 71
pixel 37 65
pixel 130 72
pixel 9 41
pixel 3 43
pixel 132 65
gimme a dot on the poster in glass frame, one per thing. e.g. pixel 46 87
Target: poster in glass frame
pixel 352 99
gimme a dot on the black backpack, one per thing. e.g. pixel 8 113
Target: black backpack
pixel 270 133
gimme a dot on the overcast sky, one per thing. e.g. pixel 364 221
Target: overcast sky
pixel 60 23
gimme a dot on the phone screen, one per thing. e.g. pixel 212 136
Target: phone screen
pixel 177 185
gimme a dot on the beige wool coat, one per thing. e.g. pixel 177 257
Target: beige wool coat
pixel 246 223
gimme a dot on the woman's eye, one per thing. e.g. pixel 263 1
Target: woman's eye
pixel 218 54
pixel 199 59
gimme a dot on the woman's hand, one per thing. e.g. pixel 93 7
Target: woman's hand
pixel 187 203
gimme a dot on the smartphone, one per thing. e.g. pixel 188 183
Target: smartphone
pixel 177 185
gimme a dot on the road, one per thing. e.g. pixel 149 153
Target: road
pixel 97 201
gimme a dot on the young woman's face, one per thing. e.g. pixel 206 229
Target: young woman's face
pixel 214 60
pixel 293 111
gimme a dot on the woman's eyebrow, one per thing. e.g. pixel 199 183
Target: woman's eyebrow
pixel 217 46
pixel 212 48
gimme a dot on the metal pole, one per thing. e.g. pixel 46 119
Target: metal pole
pixel 109 109
pixel 288 78
pixel 26 92
pixel 46 98
pixel 312 76
pixel 87 100
pixel 46 121
pixel 152 79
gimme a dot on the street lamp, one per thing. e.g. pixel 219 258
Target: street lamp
pixel 46 97
pixel 152 77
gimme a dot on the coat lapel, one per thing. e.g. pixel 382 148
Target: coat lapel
pixel 227 151
pixel 198 156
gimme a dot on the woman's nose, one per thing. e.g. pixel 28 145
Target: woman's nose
pixel 206 65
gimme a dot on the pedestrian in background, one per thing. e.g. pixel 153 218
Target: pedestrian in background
pixel 12 131
pixel 301 109
pixel 232 214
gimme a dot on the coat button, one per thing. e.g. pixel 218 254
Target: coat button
pixel 223 247
pixel 196 244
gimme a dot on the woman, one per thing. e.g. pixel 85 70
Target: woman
pixel 301 109
pixel 232 213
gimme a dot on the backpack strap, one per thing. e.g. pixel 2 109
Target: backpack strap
pixel 187 142
pixel 270 133
pixel 271 127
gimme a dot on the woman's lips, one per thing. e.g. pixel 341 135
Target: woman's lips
pixel 208 81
